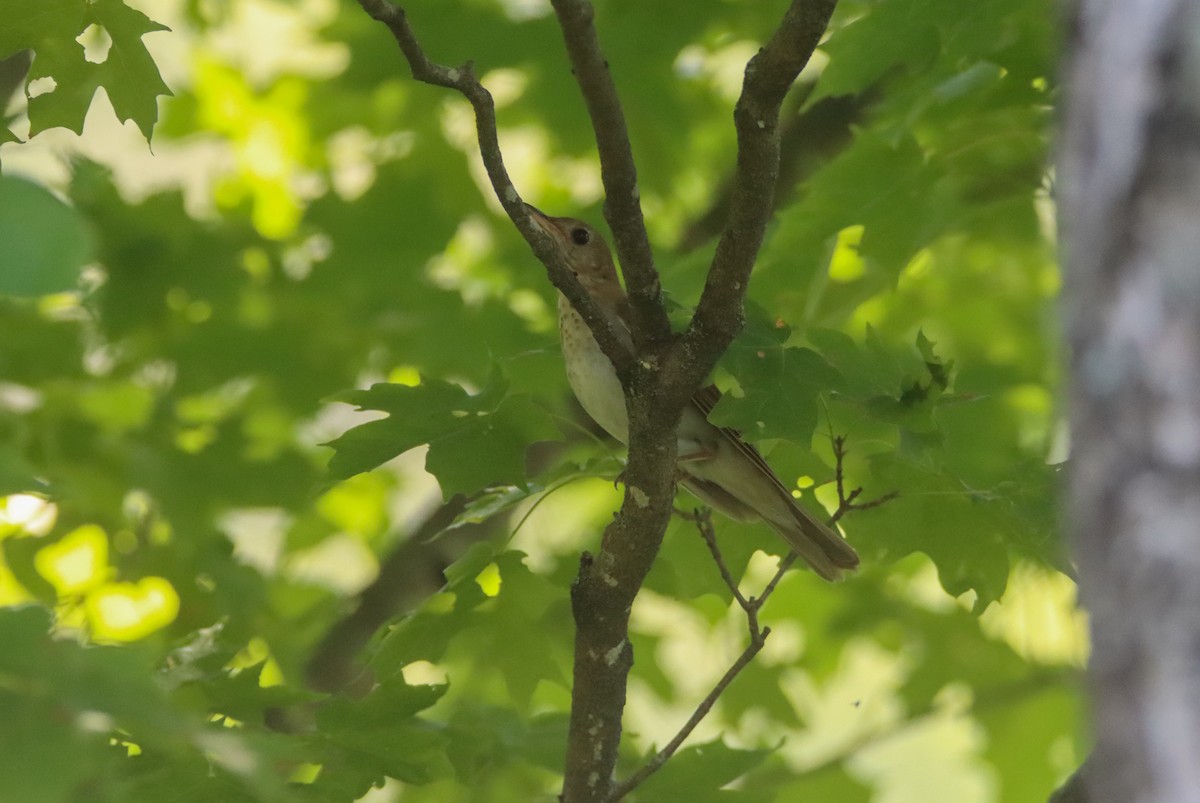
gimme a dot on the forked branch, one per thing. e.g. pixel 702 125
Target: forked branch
pixel 657 391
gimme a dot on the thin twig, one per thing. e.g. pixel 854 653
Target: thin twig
pixel 703 519
pixel 839 453
pixel 784 565
pixel 846 504
pixel 750 605
pixel 887 497
pixel 662 756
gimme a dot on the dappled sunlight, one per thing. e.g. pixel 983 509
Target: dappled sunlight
pixel 721 67
pixel 270 141
pixel 846 265
pixel 78 567
pixel 939 758
pixel 26 513
pixel 256 656
pixel 358 505
pixel 77 562
pixel 489 580
pixel 11 590
pixel 268 39
pixel 258 536
pixel 1040 618
pixel 424 673
pixel 847 710
pixel 130 611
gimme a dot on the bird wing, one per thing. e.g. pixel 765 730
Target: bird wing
pixel 705 400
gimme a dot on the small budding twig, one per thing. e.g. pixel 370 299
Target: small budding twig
pixel 702 518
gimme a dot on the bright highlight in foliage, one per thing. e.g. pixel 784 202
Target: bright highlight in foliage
pixel 270 138
pixel 77 562
pixel 130 611
pixel 26 513
pixel 846 265
pixel 489 580
pixel 77 565
pixel 258 653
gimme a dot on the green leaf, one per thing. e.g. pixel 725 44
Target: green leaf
pixel 891 385
pixel 1027 736
pixel 474 440
pixel 892 34
pixel 885 186
pixel 779 385
pixel 173 401
pixel 493 502
pixel 128 73
pixel 242 697
pixel 27 23
pixel 952 649
pixel 392 701
pixel 938 514
pixel 46 241
pixel 699 772
pixel 485 739
pixel 778 782
pixel 17 474
pixel 381 734
pixel 489 448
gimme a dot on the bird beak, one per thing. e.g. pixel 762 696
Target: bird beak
pixel 543 221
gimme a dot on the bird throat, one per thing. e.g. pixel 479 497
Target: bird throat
pixel 591 374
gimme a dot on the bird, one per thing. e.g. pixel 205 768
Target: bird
pixel 715 463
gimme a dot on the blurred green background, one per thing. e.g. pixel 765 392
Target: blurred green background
pixel 188 573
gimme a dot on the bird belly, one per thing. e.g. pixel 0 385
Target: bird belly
pixel 591 375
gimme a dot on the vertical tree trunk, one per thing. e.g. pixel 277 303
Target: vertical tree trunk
pixel 1130 170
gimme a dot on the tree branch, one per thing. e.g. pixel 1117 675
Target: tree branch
pixel 808 139
pixel 719 315
pixel 606 586
pixel 605 590
pixel 462 80
pixel 622 199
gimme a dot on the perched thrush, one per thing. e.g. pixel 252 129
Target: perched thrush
pixel 715 463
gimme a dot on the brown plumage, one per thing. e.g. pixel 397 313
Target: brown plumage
pixel 715 463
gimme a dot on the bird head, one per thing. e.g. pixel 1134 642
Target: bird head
pixel 583 249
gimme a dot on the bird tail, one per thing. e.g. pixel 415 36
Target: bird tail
pixel 817 543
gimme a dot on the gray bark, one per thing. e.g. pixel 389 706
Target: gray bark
pixel 1130 175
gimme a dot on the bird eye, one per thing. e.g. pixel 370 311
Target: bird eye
pixel 580 236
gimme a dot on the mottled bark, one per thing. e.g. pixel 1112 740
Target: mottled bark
pixel 1130 178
